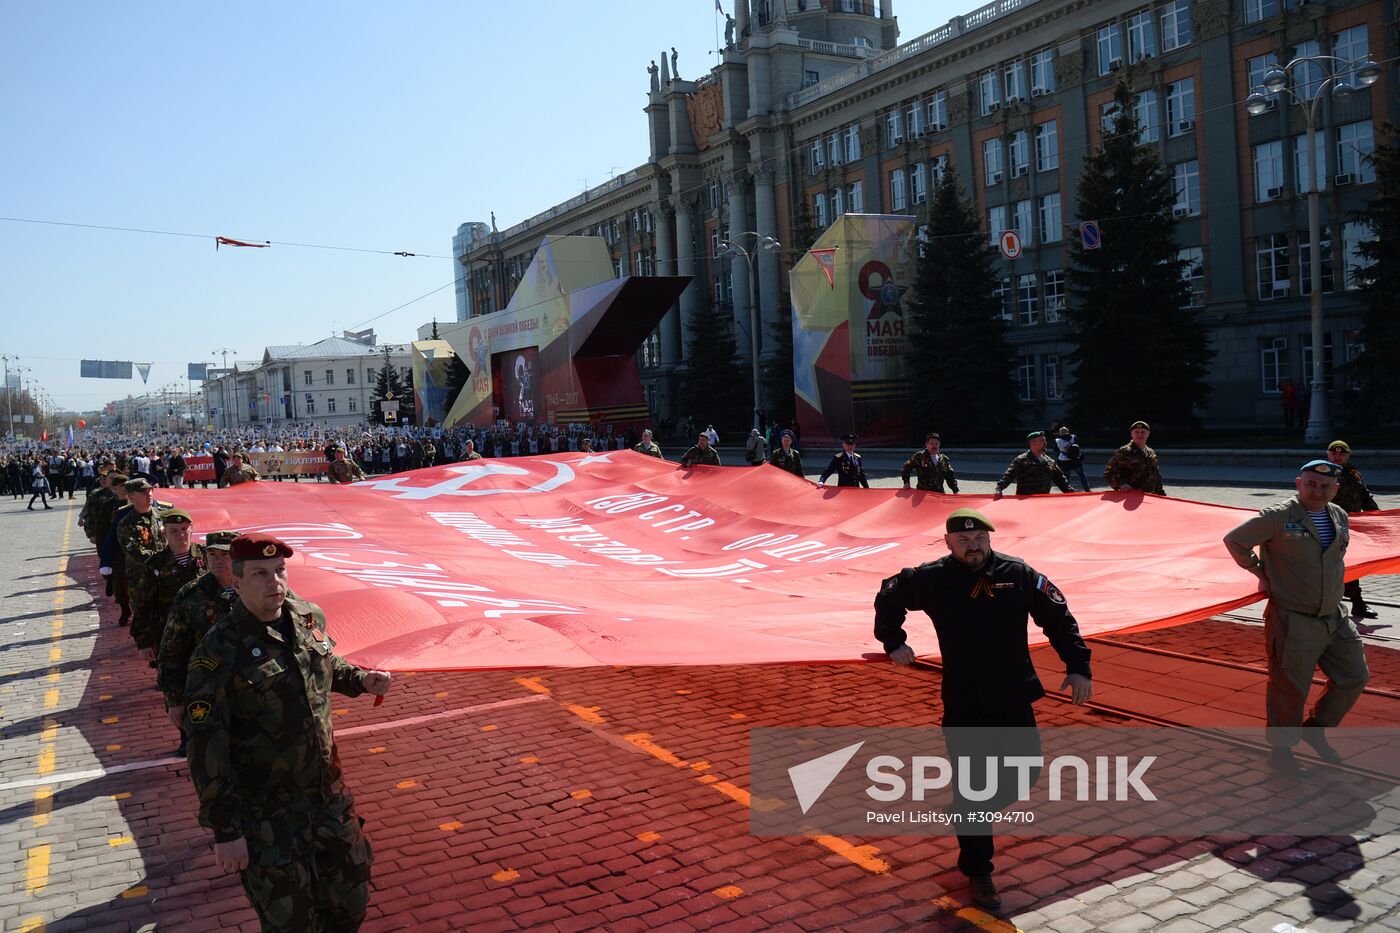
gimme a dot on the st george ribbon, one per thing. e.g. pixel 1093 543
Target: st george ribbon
pixel 574 560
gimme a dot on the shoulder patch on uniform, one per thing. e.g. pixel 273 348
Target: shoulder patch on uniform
pixel 199 711
pixel 1050 590
pixel 203 663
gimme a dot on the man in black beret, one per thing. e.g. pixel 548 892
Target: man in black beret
pixel 846 465
pixel 978 601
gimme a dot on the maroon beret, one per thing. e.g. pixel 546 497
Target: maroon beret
pixel 257 547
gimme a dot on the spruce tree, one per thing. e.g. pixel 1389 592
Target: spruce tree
pixel 959 362
pixel 1377 369
pixel 776 373
pixel 1141 351
pixel 717 386
pixel 388 385
pixel 804 231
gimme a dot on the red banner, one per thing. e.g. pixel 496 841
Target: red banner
pixel 574 559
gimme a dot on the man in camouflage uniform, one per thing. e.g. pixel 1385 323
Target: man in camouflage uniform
pixel 934 468
pixel 787 457
pixel 648 446
pixel 168 572
pixel 702 452
pixel 342 470
pixel 1134 465
pixel 193 611
pixel 1353 495
pixel 262 754
pixel 140 540
pixel 238 471
pixel 469 452
pixel 112 564
pixel 846 464
pixel 87 518
pixel 1032 471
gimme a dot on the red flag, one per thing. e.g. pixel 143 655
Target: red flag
pixel 230 241
pixel 442 568
pixel 826 258
pixel 44 434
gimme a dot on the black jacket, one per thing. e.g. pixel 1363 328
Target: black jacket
pixel 980 618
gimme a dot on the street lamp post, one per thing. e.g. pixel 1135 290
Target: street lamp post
pixel 731 249
pixel 1276 81
pixel 224 381
pixel 9 398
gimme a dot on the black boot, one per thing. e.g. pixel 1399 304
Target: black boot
pixel 126 618
pixel 1316 737
pixel 1359 610
pixel 984 893
pixel 1282 762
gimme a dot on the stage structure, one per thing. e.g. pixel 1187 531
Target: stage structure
pixel 432 366
pixel 848 329
pixel 563 350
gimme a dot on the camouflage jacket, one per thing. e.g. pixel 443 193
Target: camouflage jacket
pixel 933 471
pixel 106 514
pixel 192 614
pixel 258 716
pixel 91 509
pixel 1134 467
pixel 695 455
pixel 1033 475
pixel 345 471
pixel 163 578
pixel 243 474
pixel 139 540
pixel 790 460
pixel 651 450
pixel 848 469
pixel 1353 495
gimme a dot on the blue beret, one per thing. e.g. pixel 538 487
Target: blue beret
pixel 1325 467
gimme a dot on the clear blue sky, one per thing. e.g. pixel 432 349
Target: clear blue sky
pixel 370 125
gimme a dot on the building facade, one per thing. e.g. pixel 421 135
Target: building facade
pixel 331 382
pixel 817 103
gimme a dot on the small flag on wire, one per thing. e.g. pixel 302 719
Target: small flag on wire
pixel 230 241
pixel 826 258
pixel 719 9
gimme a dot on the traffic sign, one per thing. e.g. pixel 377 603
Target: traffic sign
pixel 1089 234
pixel 1010 244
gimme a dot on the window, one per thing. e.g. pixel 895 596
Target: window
pixel 1176 24
pixel 372 375
pixel 938 111
pixel 1273 363
pixel 853 142
pixel 1054 290
pixel 1258 67
pixel 1271 266
pixel 1054 379
pixel 833 148
pixel 1142 37
pixel 1194 273
pixel 1186 185
pixel 1042 72
pixel 1300 162
pixel 898 199
pixel 716 195
pixel 940 167
pixel 1047 146
pixel 1181 107
pixel 1353 263
pixel 894 127
pixel 855 203
pixel 819 208
pixel 810 78
pixel 330 406
pixel 306 377
pixel 330 377
pixel 990 91
pixel 1015 76
pixel 310 405
pixel 1021 221
pixel 918 186
pixel 1268 171
pixel 1025 379
pixel 1019 153
pixel 1308 76
pixel 1110 48
pixel 1027 299
pixel 1051 230
pixel 354 404
pixel 1255 10
pixel 816 157
pixel 1002 293
pixel 1145 110
pixel 915 118
pixel 1108 116
pixel 991 160
pixel 1350 45
pixel 996 223
pixel 1305 260
pixel 838 203
pixel 350 377
pixel 1354 143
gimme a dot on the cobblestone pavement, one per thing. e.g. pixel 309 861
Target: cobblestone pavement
pixel 604 798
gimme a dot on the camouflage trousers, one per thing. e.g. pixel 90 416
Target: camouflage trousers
pixel 310 872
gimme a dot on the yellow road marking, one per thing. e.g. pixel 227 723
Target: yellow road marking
pixel 581 794
pixel 50 699
pixel 377 750
pixel 110 720
pixel 46 761
pixel 33 925
pixel 864 856
pixel 405 785
pixel 43 805
pixel 120 841
pixel 978 918
pixel 449 826
pixel 505 875
pixel 114 748
pixel 529 760
pixel 124 795
pixel 50 731
pixel 139 891
pixel 489 728
pixel 55 654
pixel 643 741
pixel 532 684
pixel 728 891
pixel 648 836
pixel 36 875
pixel 586 713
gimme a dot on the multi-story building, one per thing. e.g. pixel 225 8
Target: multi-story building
pixel 331 382
pixel 468 235
pixel 816 102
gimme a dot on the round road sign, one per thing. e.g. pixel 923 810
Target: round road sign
pixel 1010 244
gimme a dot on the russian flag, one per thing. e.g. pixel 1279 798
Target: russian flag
pixel 70 436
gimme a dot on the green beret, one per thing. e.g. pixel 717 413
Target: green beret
pixel 176 515
pixel 1034 434
pixel 967 520
pixel 139 484
pixel 219 540
pixel 1339 445
pixel 116 479
pixel 1140 424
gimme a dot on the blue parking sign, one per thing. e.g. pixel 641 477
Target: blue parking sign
pixel 1089 234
